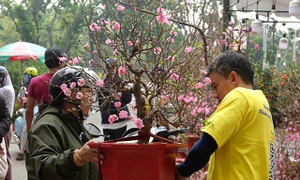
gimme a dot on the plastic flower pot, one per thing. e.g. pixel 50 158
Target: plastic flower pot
pixel 130 161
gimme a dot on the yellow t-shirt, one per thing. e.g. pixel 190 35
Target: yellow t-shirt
pixel 243 128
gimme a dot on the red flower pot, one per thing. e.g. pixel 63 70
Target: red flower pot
pixel 131 161
pixel 154 161
pixel 191 141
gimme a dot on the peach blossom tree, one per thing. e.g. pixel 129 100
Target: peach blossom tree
pixel 158 56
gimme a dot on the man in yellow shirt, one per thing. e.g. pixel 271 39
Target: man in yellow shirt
pixel 239 139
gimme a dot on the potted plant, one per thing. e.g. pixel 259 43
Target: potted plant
pixel 142 38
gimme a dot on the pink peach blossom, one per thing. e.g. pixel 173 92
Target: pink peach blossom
pixel 118 104
pixel 112 118
pixel 123 114
pixel 94 27
pixel 81 82
pixel 122 70
pixel 120 8
pixel 79 95
pixel 139 123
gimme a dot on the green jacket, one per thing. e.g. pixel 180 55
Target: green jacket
pixel 52 140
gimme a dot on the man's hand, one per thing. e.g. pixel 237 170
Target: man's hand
pixel 204 176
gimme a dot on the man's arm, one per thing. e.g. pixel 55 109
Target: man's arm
pixel 29 112
pixel 198 155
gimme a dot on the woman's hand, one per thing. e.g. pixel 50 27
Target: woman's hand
pixel 88 154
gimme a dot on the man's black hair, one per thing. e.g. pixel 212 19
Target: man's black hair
pixel 52 55
pixel 232 61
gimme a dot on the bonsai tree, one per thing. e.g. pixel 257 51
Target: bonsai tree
pixel 160 52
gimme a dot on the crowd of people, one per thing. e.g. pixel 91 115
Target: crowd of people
pixel 238 141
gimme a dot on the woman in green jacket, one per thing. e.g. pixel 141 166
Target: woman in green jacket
pixel 58 145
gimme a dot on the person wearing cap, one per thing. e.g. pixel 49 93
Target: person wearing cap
pixel 38 92
pixel 29 73
pixel 59 146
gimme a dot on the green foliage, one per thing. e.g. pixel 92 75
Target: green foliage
pixel 282 91
pixel 8 33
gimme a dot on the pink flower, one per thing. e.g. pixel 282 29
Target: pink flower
pixel 108 41
pixel 203 71
pixel 71 63
pixel 180 97
pixel 123 114
pixel 250 41
pixel 100 83
pixel 117 104
pixel 112 118
pixel 207 80
pixel 85 46
pixel 116 25
pixel 105 22
pixel 79 95
pixel 162 18
pixel 199 85
pixel 174 77
pixel 129 43
pixel 115 52
pixel 171 58
pixel 73 85
pixel 157 50
pixel 139 123
pixel 170 40
pixel 94 27
pixel 91 62
pixel 256 47
pixel 194 112
pixel 118 96
pixel 65 89
pixel 63 86
pixel 173 33
pixel 122 70
pixel 62 59
pixel 67 92
pixel 188 49
pixel 80 82
pixel 77 59
pixel 188 99
pixel 95 51
pixel 120 8
pixel 230 23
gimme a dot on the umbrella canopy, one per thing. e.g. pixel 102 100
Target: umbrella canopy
pixel 22 51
